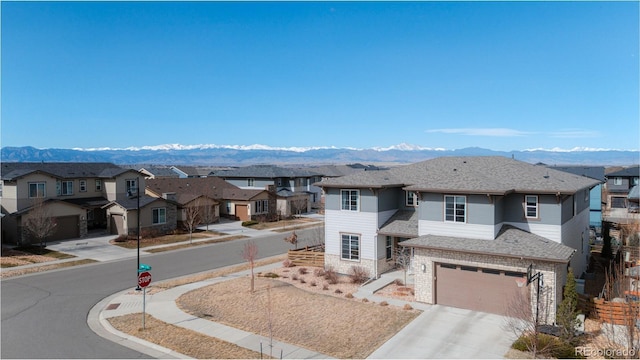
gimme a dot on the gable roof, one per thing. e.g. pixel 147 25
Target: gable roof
pixel 628 172
pixel 160 171
pixel 265 171
pixel 192 171
pixel 211 186
pixel 62 170
pixel 594 172
pixel 510 242
pixel 241 194
pixel 403 223
pixel 494 175
pixel 131 203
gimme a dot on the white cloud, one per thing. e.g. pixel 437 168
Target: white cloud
pixel 497 132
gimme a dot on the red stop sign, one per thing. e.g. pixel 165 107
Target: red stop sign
pixel 144 279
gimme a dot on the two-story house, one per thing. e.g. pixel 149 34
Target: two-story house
pixel 474 224
pixel 293 188
pixel 616 189
pixel 595 196
pixel 78 196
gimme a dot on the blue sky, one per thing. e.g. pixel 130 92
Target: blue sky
pixel 498 75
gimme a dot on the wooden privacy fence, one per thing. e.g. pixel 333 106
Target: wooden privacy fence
pixel 307 256
pixel 617 313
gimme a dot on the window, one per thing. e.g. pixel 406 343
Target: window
pixel 250 182
pixel 350 199
pixel 98 185
pixel 159 215
pixel 279 182
pixel 531 206
pixel 617 181
pixel 350 247
pixel 634 181
pixel 64 188
pixel 37 190
pixel 455 208
pixel 389 247
pixel 412 198
pixel 261 206
pixel 83 186
pixel 132 187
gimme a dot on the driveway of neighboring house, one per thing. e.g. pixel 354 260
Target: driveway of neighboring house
pixel 442 332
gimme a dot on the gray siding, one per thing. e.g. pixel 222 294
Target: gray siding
pixel 548 210
pixel 388 199
pixel 368 201
pixel 479 210
pixel 431 207
pixel 257 183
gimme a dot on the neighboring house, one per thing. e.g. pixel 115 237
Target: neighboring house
pixel 595 196
pixel 158 216
pixel 248 204
pixel 617 188
pixel 206 193
pixel 74 194
pixel 184 171
pixel 475 225
pixel 633 199
pixel 296 181
pixel 158 172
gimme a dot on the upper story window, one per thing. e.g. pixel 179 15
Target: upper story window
pixel 634 181
pixel 98 185
pixel 455 208
pixel 159 215
pixel 531 206
pixel 132 186
pixel 350 247
pixel 250 182
pixel 82 186
pixel 411 198
pixel 37 190
pixel 350 199
pixel 617 180
pixel 279 181
pixel 64 188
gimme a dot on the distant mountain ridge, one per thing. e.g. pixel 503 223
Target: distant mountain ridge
pixel 217 155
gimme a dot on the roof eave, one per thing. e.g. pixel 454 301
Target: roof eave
pixel 431 247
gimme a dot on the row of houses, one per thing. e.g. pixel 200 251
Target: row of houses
pixel 85 197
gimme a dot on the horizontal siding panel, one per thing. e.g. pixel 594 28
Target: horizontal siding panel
pixel 441 228
pixel 551 232
pixel 362 223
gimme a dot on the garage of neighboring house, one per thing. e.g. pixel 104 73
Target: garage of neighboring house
pixel 476 288
pixel 117 224
pixel 242 212
pixel 67 227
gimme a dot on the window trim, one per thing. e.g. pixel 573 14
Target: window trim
pixel 388 247
pixel 63 189
pixel 535 207
pixel 413 196
pixel 261 206
pixel 44 189
pixel 131 185
pixel 153 216
pixel 455 209
pixel 98 184
pixel 350 249
pixel 349 206
pixel 617 180
pixel 82 185
pixel 251 182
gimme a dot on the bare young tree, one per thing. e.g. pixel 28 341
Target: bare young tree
pixel 192 218
pixel 524 321
pixel 298 204
pixel 250 254
pixel 292 239
pixel 40 223
pixel 402 259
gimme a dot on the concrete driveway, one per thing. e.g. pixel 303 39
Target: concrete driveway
pixel 442 332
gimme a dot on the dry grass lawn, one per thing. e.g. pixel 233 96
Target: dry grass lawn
pixel 185 341
pixel 334 326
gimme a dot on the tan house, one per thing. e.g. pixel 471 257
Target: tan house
pixel 157 216
pixel 75 195
pixel 247 204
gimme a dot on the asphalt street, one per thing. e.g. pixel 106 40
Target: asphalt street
pixel 44 315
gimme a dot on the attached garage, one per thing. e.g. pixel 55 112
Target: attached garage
pixel 474 288
pixel 242 212
pixel 67 227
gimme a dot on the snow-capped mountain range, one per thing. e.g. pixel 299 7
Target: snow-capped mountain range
pixel 240 155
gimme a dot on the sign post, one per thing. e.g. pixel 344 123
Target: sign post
pixel 144 279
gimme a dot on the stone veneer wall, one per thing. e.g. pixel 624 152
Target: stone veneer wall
pixel 549 294
pixel 344 266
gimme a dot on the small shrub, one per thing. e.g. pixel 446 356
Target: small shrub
pixel 287 263
pixel 303 281
pixel 294 277
pixel 325 287
pixel 384 303
pixel 365 300
pixel 121 238
pixel 358 274
pixel 271 275
pixel 319 272
pixel 338 291
pixel 303 270
pixel 312 283
pixel 331 276
pixel 398 282
pixel 349 296
pixel 407 307
pixel 249 223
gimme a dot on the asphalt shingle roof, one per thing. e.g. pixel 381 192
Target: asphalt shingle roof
pixel 630 171
pixel 473 174
pixel 211 186
pixel 265 171
pixel 403 223
pixel 241 194
pixel 511 242
pixel 63 170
